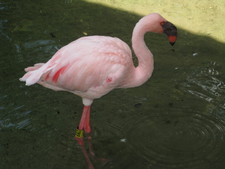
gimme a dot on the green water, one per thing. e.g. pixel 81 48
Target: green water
pixel 174 121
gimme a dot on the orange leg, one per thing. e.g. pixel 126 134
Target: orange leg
pixel 84 126
pixel 85 120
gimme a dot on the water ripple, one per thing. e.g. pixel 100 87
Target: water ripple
pixel 178 140
pixel 207 84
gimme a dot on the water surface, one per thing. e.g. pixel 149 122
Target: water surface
pixel 176 120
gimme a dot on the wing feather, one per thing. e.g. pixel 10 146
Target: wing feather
pixel 83 64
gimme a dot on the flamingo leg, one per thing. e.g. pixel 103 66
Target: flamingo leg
pixel 85 120
pixel 84 151
pixel 91 151
pixel 84 126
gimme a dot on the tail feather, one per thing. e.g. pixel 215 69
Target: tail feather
pixel 34 73
pixel 35 67
pixel 31 77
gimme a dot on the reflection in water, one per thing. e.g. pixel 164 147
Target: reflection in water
pixel 90 154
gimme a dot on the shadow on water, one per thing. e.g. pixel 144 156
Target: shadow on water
pixel 175 120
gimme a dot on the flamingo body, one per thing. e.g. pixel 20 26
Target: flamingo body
pixel 92 66
pixel 89 67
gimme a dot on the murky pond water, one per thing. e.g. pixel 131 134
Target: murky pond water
pixel 176 120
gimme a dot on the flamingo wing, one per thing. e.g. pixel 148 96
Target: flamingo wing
pixel 95 64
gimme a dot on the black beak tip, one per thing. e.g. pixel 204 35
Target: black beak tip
pixel 172 43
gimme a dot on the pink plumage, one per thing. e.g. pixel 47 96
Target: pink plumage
pixel 92 66
pixel 89 67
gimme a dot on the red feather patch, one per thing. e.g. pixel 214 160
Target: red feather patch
pixel 58 73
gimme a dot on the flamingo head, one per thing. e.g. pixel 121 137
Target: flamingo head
pixel 170 30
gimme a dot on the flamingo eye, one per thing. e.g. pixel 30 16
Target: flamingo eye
pixel 162 23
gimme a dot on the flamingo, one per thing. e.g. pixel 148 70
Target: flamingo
pixel 92 66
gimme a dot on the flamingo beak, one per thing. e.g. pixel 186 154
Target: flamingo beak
pixel 172 39
pixel 170 30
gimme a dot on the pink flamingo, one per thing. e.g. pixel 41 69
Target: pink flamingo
pixel 92 66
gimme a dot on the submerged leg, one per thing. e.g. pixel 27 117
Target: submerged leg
pixel 84 151
pixel 92 153
pixel 84 126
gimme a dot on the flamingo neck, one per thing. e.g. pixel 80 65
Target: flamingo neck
pixel 143 71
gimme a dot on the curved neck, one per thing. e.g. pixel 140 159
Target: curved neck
pixel 143 71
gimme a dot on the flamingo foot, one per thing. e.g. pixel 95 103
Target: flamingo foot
pixel 84 126
pixel 92 154
pixel 84 151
